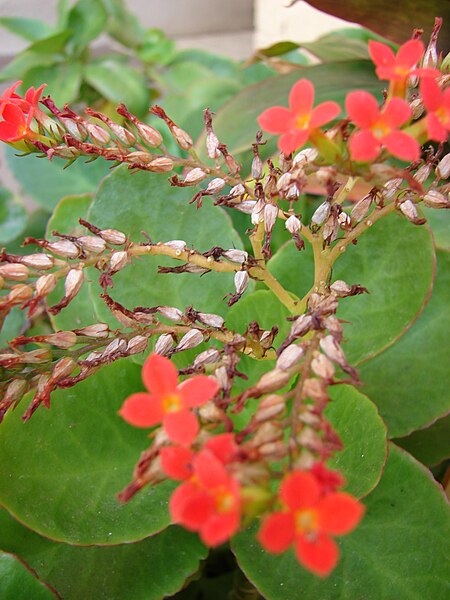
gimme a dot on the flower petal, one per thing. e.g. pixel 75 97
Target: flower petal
pixel 160 375
pixel 300 489
pixel 364 146
pixel 396 113
pixel 276 119
pixel 9 132
pixel 142 410
pixel 13 114
pixel 277 532
pixel 176 462
pixel 362 108
pixel 339 513
pixel 323 113
pixel 198 390
pixel 293 140
pixel 190 506
pixel 223 446
pixel 431 94
pixel 210 470
pixel 436 131
pixel 402 145
pixel 381 54
pixel 219 528
pixel 410 53
pixel 301 97
pixel 181 426
pixel 319 556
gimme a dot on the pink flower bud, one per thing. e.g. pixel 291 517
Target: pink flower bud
pixel 340 288
pixel 182 138
pixel 194 176
pixel 322 367
pixel 161 164
pixel 73 283
pixel 171 313
pixel 236 256
pixel 241 280
pixel 63 368
pixel 118 261
pixel 273 380
pixel 421 175
pixel 333 350
pixel 435 199
pixel 408 208
pixel 98 331
pixel 137 344
pixel 443 168
pixel 62 339
pixel 211 320
pixel 290 356
pixel 163 344
pixel 14 271
pixel 45 284
pixel 191 339
pixel 207 357
pixel 112 236
pixel 293 224
pixel 38 261
pixel 246 207
pixel 212 145
pixel 270 217
pixel 64 248
pixel 308 155
pixel 92 243
pixel 19 293
pixel 216 185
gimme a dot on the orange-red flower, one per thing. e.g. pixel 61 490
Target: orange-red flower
pixel 401 66
pixel 379 128
pixel 309 519
pixel 168 402
pixel 209 501
pixel 300 120
pixel 18 113
pixel 437 103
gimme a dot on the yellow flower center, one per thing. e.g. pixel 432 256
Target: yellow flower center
pixel 380 129
pixel 302 121
pixel 224 500
pixel 171 403
pixel 306 521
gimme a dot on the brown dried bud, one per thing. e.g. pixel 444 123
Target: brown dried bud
pixel 64 248
pixel 308 155
pixel 223 380
pixel 161 164
pixel 117 346
pixel 316 389
pixel 211 320
pixel 408 208
pixel 247 206
pixel 92 243
pixel 45 284
pixel 301 326
pixel 38 261
pixel 236 256
pixel 191 339
pixel 112 236
pixel 137 344
pixel 422 174
pixel 13 394
pixel 333 350
pixel 62 339
pixel 19 293
pixel 163 344
pixel 361 208
pixel 63 368
pixel 241 280
pixel 270 217
pixel 272 381
pixel 99 135
pixel 258 212
pixel 417 108
pixel 435 199
pixel 293 225
pixel 391 188
pixel 182 138
pixel 267 433
pixel 340 289
pixel 171 313
pixel 176 245
pixel 322 367
pixel 290 355
pixel 209 356
pixel 73 282
pixel 216 185
pixel 326 175
pixel 269 407
pixel 194 176
pixel 443 168
pixel 257 167
pixel 98 331
pixel 14 271
pixel 118 261
pixel 212 145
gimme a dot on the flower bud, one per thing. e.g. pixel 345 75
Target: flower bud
pixel 14 271
pixel 64 248
pixel 333 350
pixel 273 380
pixel 443 168
pixel 161 164
pixel 256 167
pixel 361 208
pixel 182 138
pixel 246 207
pixel 212 145
pixel 92 243
pixel 435 199
pixel 19 293
pixel 211 320
pixel 98 331
pixel 13 393
pixel 258 212
pixel 216 185
pixel 236 256
pixel 237 190
pixel 45 284
pixel 293 224
pixel 191 339
pixel 115 347
pixel 241 280
pixel 194 176
pixel 112 236
pixel 321 214
pixel 171 313
pixel 326 175
pixel 271 406
pixel 63 368
pixel 305 156
pixel 290 355
pixel 73 282
pixel 211 413
pixel 391 188
pixel 137 344
pixel 223 380
pixel 301 326
pixel 209 356
pixel 38 261
pixel 118 261
pixel 322 367
pixel 421 175
pixel 176 244
pixel 270 217
pixel 163 344
pixel 408 208
pixel 417 108
pixel 315 389
pixel 340 288
pixel 62 339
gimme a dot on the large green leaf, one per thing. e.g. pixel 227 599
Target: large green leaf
pixel 61 480
pixel 431 445
pixel 236 124
pixel 30 29
pixel 394 260
pixel 46 181
pixel 410 381
pixel 148 570
pixel 12 217
pixel 63 80
pixel 439 221
pixel 140 202
pixel 119 82
pixel 18 583
pixel 394 21
pixel 86 20
pixel 24 61
pixel 363 435
pixel 398 551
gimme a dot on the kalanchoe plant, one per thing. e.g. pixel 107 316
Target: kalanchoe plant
pixel 244 443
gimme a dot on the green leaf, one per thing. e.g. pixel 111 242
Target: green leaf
pixel 52 44
pixel 399 550
pixel 142 201
pixel 64 219
pixel 261 306
pixel 151 569
pixel 13 217
pixel 394 21
pixel 439 221
pixel 119 82
pixel 236 123
pixel 86 20
pixel 363 435
pixel 409 382
pixel 122 24
pixel 11 326
pixel 63 477
pixel 29 29
pixel 394 260
pixel 63 80
pixel 335 47
pixel 24 61
pixel 431 445
pixel 47 182
pixel 18 583
pixel 156 48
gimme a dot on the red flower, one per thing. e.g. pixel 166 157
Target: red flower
pixel 437 103
pixel 379 128
pixel 297 122
pixel 18 113
pixel 167 401
pixel 209 501
pixel 308 521
pixel 400 67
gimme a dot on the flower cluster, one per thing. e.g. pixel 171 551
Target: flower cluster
pixel 18 113
pixel 376 128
